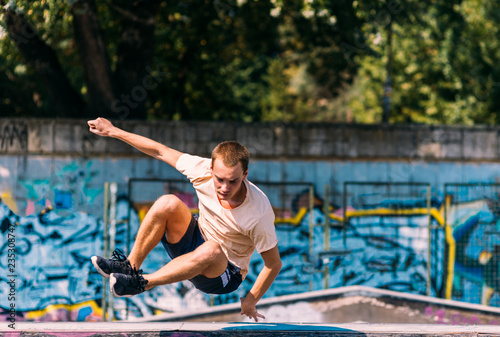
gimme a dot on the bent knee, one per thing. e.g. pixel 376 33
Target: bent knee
pixel 170 203
pixel 209 250
pixel 169 208
pixel 211 258
pixel 169 200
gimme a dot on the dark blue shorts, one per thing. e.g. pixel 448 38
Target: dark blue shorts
pixel 230 279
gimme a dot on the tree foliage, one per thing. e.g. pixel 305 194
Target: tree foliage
pixel 248 60
pixel 444 68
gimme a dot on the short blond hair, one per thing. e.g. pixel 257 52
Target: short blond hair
pixel 231 153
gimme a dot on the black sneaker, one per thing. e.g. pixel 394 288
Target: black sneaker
pixel 117 264
pixel 127 285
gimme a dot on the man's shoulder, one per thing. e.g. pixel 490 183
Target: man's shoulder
pixel 193 166
pixel 189 159
pixel 255 189
pixel 258 198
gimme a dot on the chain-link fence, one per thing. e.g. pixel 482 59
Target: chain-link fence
pixel 385 235
pixel 472 211
pixel 393 234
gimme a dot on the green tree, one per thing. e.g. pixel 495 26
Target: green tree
pixel 177 59
pixel 66 51
pixel 216 57
pixel 313 69
pixel 444 68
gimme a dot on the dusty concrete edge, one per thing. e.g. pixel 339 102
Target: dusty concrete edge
pixel 341 292
pixel 363 328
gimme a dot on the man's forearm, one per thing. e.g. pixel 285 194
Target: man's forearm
pixel 263 283
pixel 102 127
pixel 147 146
pixel 272 267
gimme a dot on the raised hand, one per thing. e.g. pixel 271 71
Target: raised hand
pixel 101 126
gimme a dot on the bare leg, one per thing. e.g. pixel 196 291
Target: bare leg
pixel 207 260
pixel 167 215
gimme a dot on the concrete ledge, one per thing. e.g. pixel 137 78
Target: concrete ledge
pixel 264 140
pixel 347 304
pixel 243 329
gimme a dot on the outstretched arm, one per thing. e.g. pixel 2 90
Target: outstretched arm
pixel 272 267
pixel 105 128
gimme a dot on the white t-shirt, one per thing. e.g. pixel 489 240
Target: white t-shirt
pixel 238 231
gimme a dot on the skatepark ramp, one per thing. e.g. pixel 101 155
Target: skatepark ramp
pixel 343 312
pixel 347 305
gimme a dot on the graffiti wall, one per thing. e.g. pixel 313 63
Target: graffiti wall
pixel 474 220
pixel 54 279
pixel 51 218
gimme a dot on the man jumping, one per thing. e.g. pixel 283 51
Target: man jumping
pixel 212 252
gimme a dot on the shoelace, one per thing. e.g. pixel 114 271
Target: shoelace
pixel 118 255
pixel 139 280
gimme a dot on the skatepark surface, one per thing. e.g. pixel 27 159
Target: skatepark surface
pixel 348 305
pixel 200 329
pixel 346 311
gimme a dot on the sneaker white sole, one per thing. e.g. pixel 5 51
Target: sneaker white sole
pixel 112 281
pixel 99 270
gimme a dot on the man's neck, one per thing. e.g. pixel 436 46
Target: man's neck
pixel 238 198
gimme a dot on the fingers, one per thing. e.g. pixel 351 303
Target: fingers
pixel 255 316
pixel 95 121
pixel 92 124
pixel 98 125
pixel 258 315
pixel 250 312
pixel 93 128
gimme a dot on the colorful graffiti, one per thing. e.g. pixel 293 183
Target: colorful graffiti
pixel 71 187
pixel 476 275
pixel 50 259
pixel 442 316
pixel 384 246
pixel 387 246
pixel 55 280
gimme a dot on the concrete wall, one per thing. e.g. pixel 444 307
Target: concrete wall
pixel 59 163
pixel 264 140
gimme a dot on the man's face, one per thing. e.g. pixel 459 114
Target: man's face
pixel 227 180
